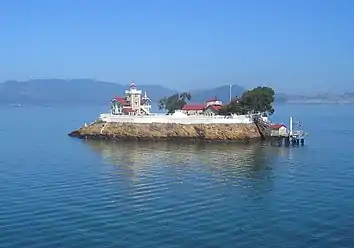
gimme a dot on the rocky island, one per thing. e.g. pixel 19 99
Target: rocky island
pixel 130 119
pixel 168 131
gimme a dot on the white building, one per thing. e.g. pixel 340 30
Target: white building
pixel 135 107
pixel 134 103
pixel 278 130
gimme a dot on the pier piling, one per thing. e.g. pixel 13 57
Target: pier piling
pixel 287 141
pixel 280 141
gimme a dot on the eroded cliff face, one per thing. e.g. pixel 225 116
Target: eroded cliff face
pixel 168 131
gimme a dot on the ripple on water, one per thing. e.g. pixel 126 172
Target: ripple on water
pixel 178 195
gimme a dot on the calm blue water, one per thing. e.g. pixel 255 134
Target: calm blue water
pixel 58 191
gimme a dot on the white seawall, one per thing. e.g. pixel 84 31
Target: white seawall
pixel 161 118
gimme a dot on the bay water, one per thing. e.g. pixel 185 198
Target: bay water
pixel 58 191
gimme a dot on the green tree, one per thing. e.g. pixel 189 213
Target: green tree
pixel 174 102
pixel 234 107
pixel 259 99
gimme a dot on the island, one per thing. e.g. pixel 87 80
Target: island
pixel 130 118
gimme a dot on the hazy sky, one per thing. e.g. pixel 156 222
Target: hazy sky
pixel 289 45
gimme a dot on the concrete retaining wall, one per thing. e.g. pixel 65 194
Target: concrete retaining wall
pixel 181 120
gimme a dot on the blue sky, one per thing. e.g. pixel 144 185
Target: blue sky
pixel 293 46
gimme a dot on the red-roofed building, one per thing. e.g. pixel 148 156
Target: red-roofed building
pixel 277 126
pixel 193 109
pixel 213 107
pixel 210 107
pixel 188 107
pixel 278 130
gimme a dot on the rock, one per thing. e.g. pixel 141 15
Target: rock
pixel 168 131
pixel 74 134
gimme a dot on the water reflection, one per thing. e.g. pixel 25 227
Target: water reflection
pixel 226 163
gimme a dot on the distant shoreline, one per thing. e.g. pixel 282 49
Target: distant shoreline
pixel 49 105
pixel 71 92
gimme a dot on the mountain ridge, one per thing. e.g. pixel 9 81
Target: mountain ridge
pixel 89 91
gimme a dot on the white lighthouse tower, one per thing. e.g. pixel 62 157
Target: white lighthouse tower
pixel 139 104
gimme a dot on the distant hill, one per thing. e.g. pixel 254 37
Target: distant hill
pixel 76 91
pixel 87 91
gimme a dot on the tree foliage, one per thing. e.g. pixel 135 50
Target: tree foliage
pixel 234 107
pixel 259 99
pixel 174 102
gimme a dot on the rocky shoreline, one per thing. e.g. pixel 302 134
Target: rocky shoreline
pixel 168 131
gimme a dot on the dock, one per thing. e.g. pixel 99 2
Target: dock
pixel 279 134
pixel 296 138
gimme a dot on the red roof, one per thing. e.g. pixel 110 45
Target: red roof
pixel 121 100
pixel 215 107
pixel 277 126
pixel 187 107
pixel 193 107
